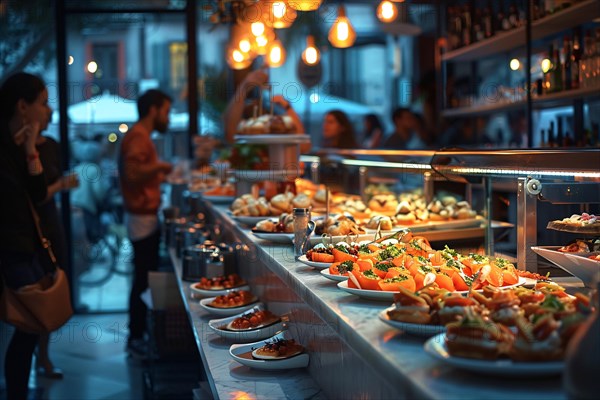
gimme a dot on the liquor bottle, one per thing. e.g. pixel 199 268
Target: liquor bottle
pixel 506 26
pixel 488 25
pixel 560 139
pixel 575 61
pixel 556 80
pixel 467 25
pixel 549 7
pixel 548 83
pixel 551 141
pixel 455 28
pixel 499 17
pixel 566 63
pixel 543 138
pixel 596 57
pixel 585 66
pixel 478 32
pixel 513 16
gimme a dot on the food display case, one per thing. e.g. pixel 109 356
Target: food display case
pixel 353 349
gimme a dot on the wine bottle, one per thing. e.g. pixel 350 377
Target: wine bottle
pixel 467 25
pixel 575 61
pixel 488 25
pixel 566 64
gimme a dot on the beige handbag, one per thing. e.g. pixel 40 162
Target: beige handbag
pixel 41 307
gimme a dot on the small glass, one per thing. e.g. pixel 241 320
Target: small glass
pixel 301 218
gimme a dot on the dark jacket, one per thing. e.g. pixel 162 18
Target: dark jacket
pixel 17 228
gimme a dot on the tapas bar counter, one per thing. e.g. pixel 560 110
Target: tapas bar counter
pixel 353 354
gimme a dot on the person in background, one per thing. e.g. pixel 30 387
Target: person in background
pixel 238 106
pixel 338 131
pixel 24 112
pixel 373 132
pixel 140 174
pixel 49 151
pixel 409 131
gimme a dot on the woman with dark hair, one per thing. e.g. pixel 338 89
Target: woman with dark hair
pixel 24 113
pixel 338 131
pixel 373 131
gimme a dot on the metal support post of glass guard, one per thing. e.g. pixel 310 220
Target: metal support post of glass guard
pixel 314 172
pixel 489 233
pixel 527 223
pixel 363 175
pixel 428 187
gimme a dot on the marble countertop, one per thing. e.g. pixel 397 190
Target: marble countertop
pixel 397 356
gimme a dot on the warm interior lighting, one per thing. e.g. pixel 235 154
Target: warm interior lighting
pixel 238 60
pixel 71 60
pixel 245 46
pixel 515 64
pixel 305 5
pixel 311 54
pixel 112 137
pixel 546 65
pixel 257 28
pixel 123 128
pixel 283 16
pixel 342 34
pixel 92 67
pixel 387 11
pixel 262 45
pixel 276 55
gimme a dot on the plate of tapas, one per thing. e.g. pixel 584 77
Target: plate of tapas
pixel 276 353
pixel 423 330
pixel 438 349
pixel 318 265
pixel 334 277
pixel 254 324
pixel 247 219
pixel 218 285
pixel 378 295
pixel 274 237
pixel 232 303
pixel 584 224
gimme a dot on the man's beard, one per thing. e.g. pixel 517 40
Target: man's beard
pixel 161 126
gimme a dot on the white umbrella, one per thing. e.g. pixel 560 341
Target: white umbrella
pixel 106 108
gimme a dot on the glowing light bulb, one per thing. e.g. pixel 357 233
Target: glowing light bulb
pixel 71 60
pixel 257 28
pixel 237 56
pixel 546 65
pixel 305 5
pixel 245 45
pixel 112 137
pixel 123 128
pixel 387 11
pixel 342 34
pixel 514 64
pixel 276 55
pixel 311 54
pixel 92 67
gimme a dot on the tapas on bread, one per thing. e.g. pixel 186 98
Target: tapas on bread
pixel 576 223
pixel 234 298
pixel 218 285
pixel 265 325
pixel 279 352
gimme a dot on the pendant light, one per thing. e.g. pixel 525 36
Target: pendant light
pixel 263 41
pixel 281 14
pixel 387 11
pixel 342 34
pixel 305 5
pixel 236 59
pixel 276 55
pixel 311 54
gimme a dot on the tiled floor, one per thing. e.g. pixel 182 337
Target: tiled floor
pixel 90 351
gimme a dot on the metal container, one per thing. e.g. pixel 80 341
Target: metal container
pixel 202 261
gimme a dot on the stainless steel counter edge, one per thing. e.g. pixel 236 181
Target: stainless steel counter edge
pixel 397 356
pixel 229 379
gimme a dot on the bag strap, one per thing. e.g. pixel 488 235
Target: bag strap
pixel 43 240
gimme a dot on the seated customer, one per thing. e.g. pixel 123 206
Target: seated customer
pixel 338 131
pixel 409 132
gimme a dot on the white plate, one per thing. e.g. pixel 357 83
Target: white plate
pixel 297 361
pixel 284 238
pixel 248 220
pixel 212 293
pixel 379 295
pixel 219 199
pixel 274 138
pixel 436 347
pixel 314 264
pixel 251 175
pixel 225 311
pixel 316 239
pixel 247 335
pixel 576 264
pixel 413 329
pixel 438 225
pixel 337 278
